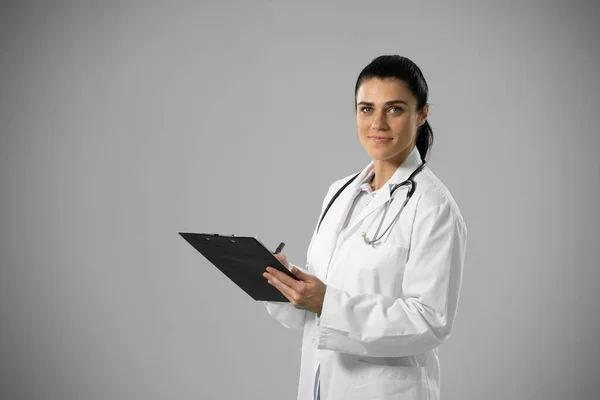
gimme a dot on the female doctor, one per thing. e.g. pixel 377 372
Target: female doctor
pixel 380 289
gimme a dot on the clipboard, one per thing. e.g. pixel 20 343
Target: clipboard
pixel 243 260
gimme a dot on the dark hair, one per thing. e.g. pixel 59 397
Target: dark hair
pixel 402 68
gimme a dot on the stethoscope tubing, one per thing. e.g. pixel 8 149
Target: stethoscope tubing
pixel 410 182
pixel 387 207
pixel 412 187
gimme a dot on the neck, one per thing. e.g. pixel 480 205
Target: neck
pixel 384 169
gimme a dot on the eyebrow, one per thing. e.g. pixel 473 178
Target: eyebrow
pixel 387 103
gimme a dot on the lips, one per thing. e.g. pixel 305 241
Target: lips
pixel 380 139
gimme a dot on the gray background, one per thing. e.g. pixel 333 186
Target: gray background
pixel 123 123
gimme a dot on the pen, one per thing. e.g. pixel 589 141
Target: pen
pixel 279 248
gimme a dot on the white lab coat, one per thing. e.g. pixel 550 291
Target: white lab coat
pixel 389 306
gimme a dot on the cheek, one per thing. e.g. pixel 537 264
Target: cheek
pixel 362 128
pixel 406 126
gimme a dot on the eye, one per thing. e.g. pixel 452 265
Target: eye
pixel 365 108
pixel 399 110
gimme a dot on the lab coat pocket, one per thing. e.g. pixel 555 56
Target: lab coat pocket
pixel 386 382
pixel 381 270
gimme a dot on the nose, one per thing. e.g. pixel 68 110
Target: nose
pixel 379 121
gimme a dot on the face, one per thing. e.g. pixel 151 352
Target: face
pixel 387 119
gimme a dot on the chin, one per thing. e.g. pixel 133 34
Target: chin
pixel 378 156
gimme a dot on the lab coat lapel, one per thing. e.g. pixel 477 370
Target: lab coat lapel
pixel 337 214
pixel 411 163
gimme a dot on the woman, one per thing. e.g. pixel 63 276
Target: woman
pixel 377 298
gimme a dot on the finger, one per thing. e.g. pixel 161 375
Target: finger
pixel 284 294
pixel 282 259
pixel 303 276
pixel 288 280
pixel 287 291
pixel 279 256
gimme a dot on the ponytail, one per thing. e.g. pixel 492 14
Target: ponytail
pixel 424 140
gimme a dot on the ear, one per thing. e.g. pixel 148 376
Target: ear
pixel 423 114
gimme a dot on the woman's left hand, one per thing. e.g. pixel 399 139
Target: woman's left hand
pixel 307 293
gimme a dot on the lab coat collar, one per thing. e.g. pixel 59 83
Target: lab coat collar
pixel 408 166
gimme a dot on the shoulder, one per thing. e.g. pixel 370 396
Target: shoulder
pixel 336 186
pixel 433 196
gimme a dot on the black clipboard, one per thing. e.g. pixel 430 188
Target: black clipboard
pixel 242 259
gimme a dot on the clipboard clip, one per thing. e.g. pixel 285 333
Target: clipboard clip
pixel 217 235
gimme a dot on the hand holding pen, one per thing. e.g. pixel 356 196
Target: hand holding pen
pixel 306 293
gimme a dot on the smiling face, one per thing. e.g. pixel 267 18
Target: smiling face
pixel 387 119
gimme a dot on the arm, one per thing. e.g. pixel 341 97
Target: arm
pixel 286 313
pixel 290 316
pixel 379 326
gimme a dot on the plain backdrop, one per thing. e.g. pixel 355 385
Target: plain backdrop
pixel 123 123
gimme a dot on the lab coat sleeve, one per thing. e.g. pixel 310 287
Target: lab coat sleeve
pixel 288 315
pixel 421 319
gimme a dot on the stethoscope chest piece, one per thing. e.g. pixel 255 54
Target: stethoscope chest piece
pixel 364 236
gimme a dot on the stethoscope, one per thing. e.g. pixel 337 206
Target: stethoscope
pixel 412 186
